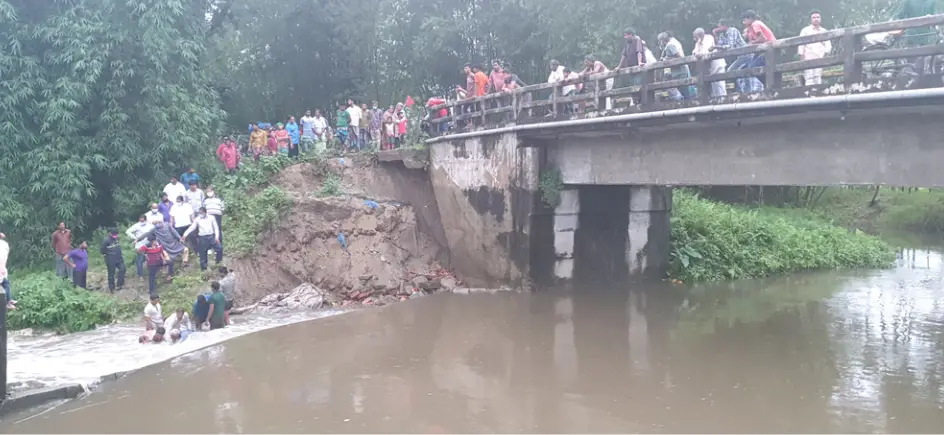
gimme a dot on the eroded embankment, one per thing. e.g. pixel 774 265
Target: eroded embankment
pixel 390 222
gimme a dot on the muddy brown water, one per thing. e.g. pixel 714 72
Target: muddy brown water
pixel 825 352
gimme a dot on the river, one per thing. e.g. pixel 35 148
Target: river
pixel 821 352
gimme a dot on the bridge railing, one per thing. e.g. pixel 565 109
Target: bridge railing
pixel 646 86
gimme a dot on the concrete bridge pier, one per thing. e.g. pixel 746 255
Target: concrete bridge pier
pixel 607 233
pixel 649 230
pixel 566 222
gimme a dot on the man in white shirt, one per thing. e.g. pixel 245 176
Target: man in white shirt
pixel 208 237
pixel 704 43
pixel 174 188
pixel 194 196
pixel 4 275
pixel 320 126
pixel 215 208
pixel 154 214
pixel 557 72
pixel 137 230
pixel 307 132
pixel 152 313
pixel 816 50
pixel 355 113
pixel 181 215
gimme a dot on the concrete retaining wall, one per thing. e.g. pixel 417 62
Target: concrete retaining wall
pixel 486 189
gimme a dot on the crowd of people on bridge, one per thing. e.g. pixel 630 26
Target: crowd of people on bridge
pixel 636 52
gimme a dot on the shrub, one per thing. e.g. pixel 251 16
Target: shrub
pixel 331 185
pixel 249 215
pixel 713 241
pixel 46 301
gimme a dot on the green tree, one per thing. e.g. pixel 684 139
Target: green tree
pixel 101 100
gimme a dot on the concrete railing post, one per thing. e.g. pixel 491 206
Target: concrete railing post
pixel 773 78
pixel 851 70
pixel 703 69
pixel 554 89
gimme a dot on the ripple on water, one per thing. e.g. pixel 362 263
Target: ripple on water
pixel 84 357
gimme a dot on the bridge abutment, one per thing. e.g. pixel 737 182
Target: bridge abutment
pixel 499 231
pixel 486 192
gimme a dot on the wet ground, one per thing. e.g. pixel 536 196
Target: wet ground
pixel 827 352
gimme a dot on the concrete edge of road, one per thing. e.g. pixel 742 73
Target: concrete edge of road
pixel 32 398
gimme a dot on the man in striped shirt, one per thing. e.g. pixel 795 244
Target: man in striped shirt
pixel 215 207
pixel 208 236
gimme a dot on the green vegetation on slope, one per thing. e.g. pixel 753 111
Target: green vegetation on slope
pixel 919 210
pixel 714 241
pixel 48 302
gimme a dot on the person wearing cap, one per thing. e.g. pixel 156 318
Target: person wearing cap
pixel 114 261
pixel 208 236
pixel 152 313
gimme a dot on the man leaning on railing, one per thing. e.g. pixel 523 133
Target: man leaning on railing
pixel 729 38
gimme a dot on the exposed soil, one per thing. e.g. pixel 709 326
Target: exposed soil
pixel 389 220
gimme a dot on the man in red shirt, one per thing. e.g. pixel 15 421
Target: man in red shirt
pixel 496 78
pixel 757 32
pixel 441 113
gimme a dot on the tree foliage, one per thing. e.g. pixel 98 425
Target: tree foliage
pixel 278 57
pixel 101 100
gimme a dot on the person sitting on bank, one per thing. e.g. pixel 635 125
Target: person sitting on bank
pixel 155 336
pixel 217 314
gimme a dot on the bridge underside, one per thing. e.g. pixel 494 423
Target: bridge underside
pixel 898 146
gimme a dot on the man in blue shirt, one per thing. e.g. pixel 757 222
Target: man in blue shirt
pixel 190 177
pixel 293 132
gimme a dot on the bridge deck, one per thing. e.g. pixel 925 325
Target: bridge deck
pixel 853 68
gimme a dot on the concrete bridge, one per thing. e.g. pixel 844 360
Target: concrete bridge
pixel 874 120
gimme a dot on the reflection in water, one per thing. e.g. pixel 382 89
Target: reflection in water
pixel 827 352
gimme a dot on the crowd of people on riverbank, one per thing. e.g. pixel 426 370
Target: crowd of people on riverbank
pixel 169 230
pixel 356 127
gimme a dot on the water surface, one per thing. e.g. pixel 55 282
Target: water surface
pixel 825 352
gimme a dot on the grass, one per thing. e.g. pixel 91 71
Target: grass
pixel 920 210
pixel 714 241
